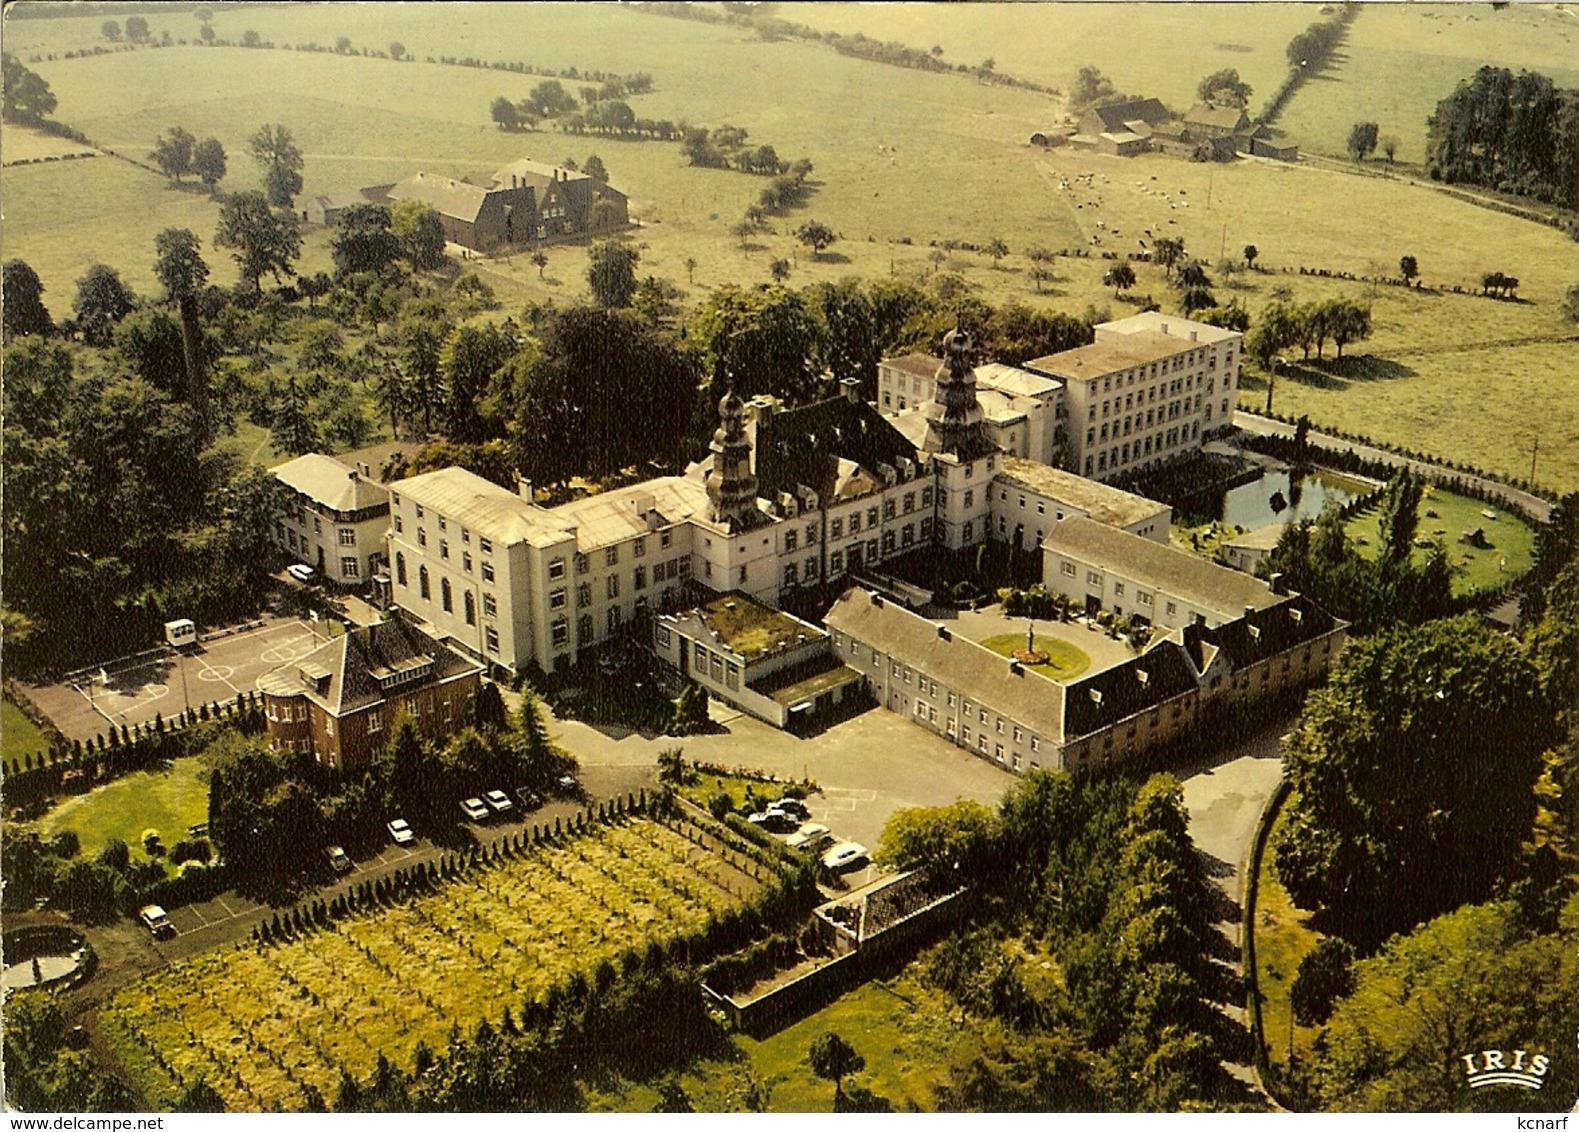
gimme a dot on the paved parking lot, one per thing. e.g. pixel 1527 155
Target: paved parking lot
pixel 135 691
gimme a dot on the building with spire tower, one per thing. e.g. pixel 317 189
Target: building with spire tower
pixel 731 484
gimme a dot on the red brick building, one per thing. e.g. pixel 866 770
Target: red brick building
pixel 340 700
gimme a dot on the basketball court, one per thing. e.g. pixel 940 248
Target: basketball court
pixel 137 690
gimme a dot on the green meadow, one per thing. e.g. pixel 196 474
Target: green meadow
pixel 903 160
pixel 1400 60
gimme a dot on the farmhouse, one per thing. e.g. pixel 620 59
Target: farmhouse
pixel 339 702
pixel 474 217
pixel 338 507
pixel 1121 128
pixel 327 210
pixel 767 663
pixel 566 202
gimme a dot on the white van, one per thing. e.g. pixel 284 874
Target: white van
pixel 180 633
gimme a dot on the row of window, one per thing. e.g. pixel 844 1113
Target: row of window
pixel 1041 506
pixel 484 544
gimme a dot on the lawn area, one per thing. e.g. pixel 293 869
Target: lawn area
pixel 902 1028
pixel 707 785
pixel 386 980
pixel 169 800
pixel 1283 937
pixel 1064 660
pixel 19 735
pixel 24 144
pixel 1508 537
pixel 1436 46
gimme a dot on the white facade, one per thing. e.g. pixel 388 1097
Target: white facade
pixel 1146 392
pixel 339 520
pixel 1029 500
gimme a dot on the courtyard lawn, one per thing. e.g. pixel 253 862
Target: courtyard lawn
pixel 20 737
pixel 169 800
pixel 1283 937
pixel 1477 568
pixel 258 1022
pixel 707 785
pixel 1064 660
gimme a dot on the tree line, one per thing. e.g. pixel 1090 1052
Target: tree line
pixel 1516 134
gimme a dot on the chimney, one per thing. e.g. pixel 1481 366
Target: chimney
pixel 1278 584
pixel 367 470
pixel 1194 335
pixel 1249 610
pixel 513 185
pixel 851 386
pixel 1162 328
pixel 1015 669
pixel 355 475
pixel 944 634
pixel 524 487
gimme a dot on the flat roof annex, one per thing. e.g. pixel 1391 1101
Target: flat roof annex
pixel 1102 502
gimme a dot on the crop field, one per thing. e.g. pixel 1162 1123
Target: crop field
pixel 258 1022
pixel 168 800
pixel 1400 60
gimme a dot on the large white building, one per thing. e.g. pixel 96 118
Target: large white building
pixel 789 499
pixel 1148 391
pixel 339 520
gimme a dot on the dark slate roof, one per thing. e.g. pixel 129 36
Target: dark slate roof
pixel 1113 117
pixel 1267 632
pixel 969 668
pixel 1103 699
pixel 804 445
pixel 354 661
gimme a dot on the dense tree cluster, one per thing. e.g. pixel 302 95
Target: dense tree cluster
pixel 1513 133
pixel 178 154
pixel 1415 771
pixel 1224 88
pixel 1319 559
pixel 28 98
pixel 1308 326
pixel 1101 880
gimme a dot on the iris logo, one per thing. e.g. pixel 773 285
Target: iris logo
pixel 1498 1067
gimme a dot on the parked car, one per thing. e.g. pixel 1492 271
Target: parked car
pixel 302 572
pixel 771 820
pixel 794 807
pixel 156 920
pixel 845 855
pixel 338 861
pixel 498 801
pixel 808 835
pixel 474 809
pixel 401 832
pixel 568 783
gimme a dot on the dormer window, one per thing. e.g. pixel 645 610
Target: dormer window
pixel 1096 696
pixel 1143 676
pixel 1255 632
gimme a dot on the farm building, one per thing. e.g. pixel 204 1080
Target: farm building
pixel 564 200
pixel 474 217
pixel 326 210
pixel 1052 136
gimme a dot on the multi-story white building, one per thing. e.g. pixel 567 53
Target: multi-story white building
pixel 1146 392
pixel 1023 412
pixel 339 521
pixel 1104 569
pixel 1029 500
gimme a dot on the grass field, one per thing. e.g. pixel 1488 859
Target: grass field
pixel 1283 938
pixel 1508 538
pixel 258 1022
pixel 1434 46
pixel 903 1029
pixel 169 800
pixel 1064 660
pixel 20 737
pixel 27 145
pixel 899 155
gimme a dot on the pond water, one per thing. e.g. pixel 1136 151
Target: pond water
pixel 1277 497
pixel 40 969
